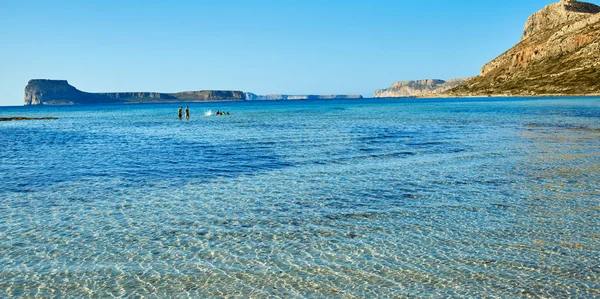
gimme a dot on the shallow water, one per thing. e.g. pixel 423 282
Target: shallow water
pixel 391 198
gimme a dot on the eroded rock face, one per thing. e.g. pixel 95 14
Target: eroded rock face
pixel 556 15
pixel 418 88
pixel 555 30
pixel 558 55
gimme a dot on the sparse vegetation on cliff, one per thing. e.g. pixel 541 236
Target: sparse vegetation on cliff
pixel 559 54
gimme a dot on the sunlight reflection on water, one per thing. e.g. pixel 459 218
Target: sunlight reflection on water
pixel 489 198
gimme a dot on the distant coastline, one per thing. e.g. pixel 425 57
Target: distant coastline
pixel 60 92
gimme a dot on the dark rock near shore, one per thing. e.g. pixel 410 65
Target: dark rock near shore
pixel 26 118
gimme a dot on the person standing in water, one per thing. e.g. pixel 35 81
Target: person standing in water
pixel 187 112
pixel 179 112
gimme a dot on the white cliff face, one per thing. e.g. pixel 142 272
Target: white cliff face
pixel 33 98
pixel 418 88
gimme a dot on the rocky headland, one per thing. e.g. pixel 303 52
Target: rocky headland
pixel 60 92
pixel 418 88
pixel 558 54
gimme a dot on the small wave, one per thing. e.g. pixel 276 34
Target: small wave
pixel 208 113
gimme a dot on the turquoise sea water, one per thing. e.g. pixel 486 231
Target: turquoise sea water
pixel 346 199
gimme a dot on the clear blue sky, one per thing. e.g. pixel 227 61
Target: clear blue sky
pixel 292 47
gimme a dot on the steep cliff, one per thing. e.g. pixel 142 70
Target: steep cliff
pixel 559 54
pixel 60 92
pixel 403 89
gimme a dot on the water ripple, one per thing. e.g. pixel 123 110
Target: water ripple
pixel 441 198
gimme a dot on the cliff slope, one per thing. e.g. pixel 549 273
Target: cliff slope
pixel 559 54
pixel 419 88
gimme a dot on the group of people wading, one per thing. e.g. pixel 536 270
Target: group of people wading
pixel 187 112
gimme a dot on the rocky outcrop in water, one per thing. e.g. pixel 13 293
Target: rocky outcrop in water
pixel 60 92
pixel 559 54
pixel 18 118
pixel 283 97
pixel 418 88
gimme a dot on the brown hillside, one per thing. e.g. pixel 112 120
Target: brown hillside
pixel 559 54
